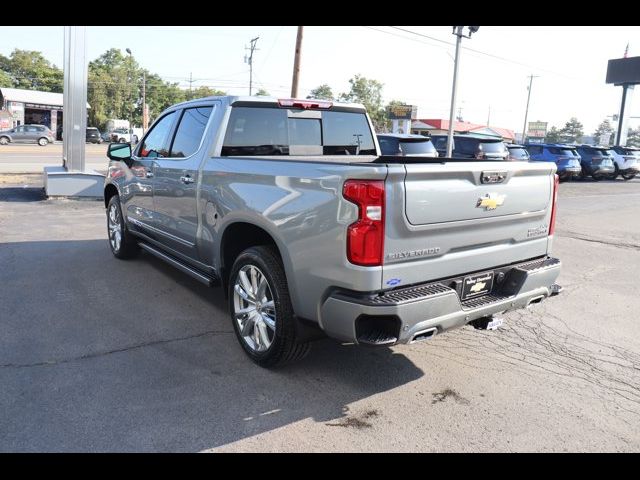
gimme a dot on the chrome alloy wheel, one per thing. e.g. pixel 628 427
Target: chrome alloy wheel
pixel 115 227
pixel 253 308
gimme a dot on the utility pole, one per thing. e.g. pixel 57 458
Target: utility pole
pixel 190 82
pixel 457 31
pixel 249 60
pixel 296 64
pixel 526 112
pixel 489 116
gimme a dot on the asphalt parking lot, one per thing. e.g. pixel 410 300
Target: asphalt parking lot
pixel 98 354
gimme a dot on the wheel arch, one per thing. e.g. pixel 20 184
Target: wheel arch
pixel 109 191
pixel 237 237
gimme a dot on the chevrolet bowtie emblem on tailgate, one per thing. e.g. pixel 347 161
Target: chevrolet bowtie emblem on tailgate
pixel 478 287
pixel 490 201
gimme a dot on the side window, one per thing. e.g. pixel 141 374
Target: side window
pixel 32 129
pixel 156 143
pixel 189 132
pixel 20 129
pixel 535 150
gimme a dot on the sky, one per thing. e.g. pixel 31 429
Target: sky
pixel 415 64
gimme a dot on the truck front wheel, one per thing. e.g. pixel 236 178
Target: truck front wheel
pixel 261 310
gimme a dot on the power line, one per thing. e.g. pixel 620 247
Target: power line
pixel 491 55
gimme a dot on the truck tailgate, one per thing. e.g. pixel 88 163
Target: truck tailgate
pixel 448 219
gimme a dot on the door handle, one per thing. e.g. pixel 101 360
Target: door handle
pixel 149 174
pixel 186 179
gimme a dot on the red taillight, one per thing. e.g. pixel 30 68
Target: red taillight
pixel 365 237
pixel 292 102
pixel 552 224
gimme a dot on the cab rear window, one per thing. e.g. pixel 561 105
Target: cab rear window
pixel 278 131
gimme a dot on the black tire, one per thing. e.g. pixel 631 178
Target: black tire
pixel 628 176
pixel 596 177
pixel 4 140
pixel 616 172
pixel 43 142
pixel 127 247
pixel 284 347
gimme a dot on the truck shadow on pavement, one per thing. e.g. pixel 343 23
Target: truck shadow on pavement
pixel 98 354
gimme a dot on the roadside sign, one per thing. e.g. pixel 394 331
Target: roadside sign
pixel 537 129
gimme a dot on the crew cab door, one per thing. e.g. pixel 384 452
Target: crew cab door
pixel 176 181
pixel 139 188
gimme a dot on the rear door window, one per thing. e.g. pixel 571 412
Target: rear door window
pixel 190 131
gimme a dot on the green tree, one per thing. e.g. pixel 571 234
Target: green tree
pixel 603 129
pixel 369 93
pixel 29 70
pixel 202 92
pixel 322 92
pixel 115 90
pixel 633 139
pixel 553 136
pixel 572 131
pixel 113 87
pixel 261 93
pixel 5 79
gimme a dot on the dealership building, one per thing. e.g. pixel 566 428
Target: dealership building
pixel 24 107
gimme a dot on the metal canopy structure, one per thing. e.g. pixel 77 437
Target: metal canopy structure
pixel 71 179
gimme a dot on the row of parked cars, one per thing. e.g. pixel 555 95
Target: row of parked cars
pixel 42 135
pixel 573 161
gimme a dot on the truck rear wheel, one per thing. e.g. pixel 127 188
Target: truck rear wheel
pixel 261 310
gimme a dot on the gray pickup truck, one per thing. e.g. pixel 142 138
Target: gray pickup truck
pixel 290 207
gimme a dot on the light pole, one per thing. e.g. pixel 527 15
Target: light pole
pixel 129 113
pixel 526 112
pixel 457 31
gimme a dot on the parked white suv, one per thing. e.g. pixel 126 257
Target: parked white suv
pixel 626 161
pixel 124 135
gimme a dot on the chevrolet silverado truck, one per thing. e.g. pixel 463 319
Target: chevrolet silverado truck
pixel 289 206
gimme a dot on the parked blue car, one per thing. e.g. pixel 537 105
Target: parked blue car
pixel 566 158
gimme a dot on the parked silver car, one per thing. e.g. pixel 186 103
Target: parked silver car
pixel 39 134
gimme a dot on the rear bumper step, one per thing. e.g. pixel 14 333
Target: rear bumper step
pixel 434 305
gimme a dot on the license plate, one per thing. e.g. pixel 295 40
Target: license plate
pixel 477 285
